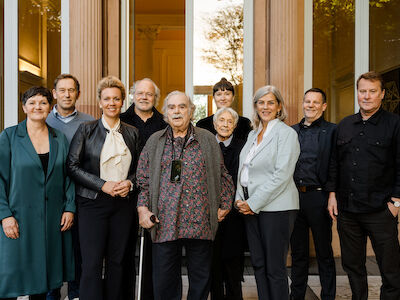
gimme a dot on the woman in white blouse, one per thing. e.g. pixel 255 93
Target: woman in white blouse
pixel 102 162
pixel 266 192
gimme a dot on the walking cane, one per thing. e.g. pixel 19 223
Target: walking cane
pixel 141 255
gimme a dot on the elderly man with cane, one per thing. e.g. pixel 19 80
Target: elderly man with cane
pixel 185 185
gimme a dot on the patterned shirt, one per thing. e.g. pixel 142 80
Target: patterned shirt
pixel 184 210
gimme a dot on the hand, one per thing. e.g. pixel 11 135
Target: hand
pixel 393 209
pixel 222 214
pixel 67 219
pixel 108 187
pixel 122 188
pixel 332 205
pixel 244 207
pixel 10 227
pixel 144 217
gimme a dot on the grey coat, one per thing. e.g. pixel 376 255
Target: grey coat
pixel 212 157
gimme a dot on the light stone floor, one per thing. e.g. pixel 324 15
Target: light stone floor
pixel 250 291
pixel 343 291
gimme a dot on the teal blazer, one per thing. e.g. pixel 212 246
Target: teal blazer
pixel 271 186
pixel 42 257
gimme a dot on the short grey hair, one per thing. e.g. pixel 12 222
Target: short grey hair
pixel 233 113
pixel 192 107
pixel 262 91
pixel 132 90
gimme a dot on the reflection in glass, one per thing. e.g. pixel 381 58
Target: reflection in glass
pixel 218 50
pixel 159 44
pixel 333 55
pixel 384 49
pixel 39 50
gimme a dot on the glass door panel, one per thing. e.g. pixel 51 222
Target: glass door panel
pixel 159 44
pixel 384 48
pixel 217 51
pixel 333 55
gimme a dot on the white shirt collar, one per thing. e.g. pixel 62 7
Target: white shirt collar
pixel 226 142
pixel 65 119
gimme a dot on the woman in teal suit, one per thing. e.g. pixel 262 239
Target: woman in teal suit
pixel 36 204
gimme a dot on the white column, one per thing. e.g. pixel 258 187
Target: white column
pixel 11 97
pixel 248 57
pixel 308 44
pixel 189 17
pixel 125 59
pixel 361 52
pixel 64 36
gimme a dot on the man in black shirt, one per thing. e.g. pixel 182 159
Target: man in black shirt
pixel 142 113
pixel 144 116
pixel 316 138
pixel 365 189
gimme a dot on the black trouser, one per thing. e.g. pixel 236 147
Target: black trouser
pixel 129 266
pixel 167 278
pixel 104 228
pixel 313 214
pixel 31 297
pixel 268 234
pixel 381 227
pixel 226 273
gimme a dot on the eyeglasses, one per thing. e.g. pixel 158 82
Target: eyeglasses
pixel 141 94
pixel 63 91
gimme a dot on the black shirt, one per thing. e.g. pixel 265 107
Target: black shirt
pixel 241 131
pixel 44 159
pixel 306 173
pixel 146 129
pixel 365 167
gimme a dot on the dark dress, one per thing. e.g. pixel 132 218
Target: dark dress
pixel 241 131
pixel 229 243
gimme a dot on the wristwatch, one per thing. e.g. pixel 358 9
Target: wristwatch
pixel 395 203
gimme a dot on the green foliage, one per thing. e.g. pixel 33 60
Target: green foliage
pixel 225 34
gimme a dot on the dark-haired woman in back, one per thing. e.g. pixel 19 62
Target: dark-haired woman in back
pixel 224 94
pixel 36 204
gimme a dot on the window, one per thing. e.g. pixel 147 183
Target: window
pixel 333 55
pixel 217 51
pixel 384 48
pixel 39 50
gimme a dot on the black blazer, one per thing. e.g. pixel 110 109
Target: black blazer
pixel 326 144
pixel 83 162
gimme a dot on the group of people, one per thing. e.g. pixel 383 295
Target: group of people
pixel 73 191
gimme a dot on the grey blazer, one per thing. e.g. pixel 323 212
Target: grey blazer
pixel 271 185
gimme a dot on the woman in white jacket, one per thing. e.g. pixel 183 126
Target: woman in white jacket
pixel 266 192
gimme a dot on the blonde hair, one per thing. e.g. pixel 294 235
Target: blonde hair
pixel 110 82
pixel 262 91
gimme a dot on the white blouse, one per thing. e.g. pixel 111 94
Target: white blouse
pixel 115 157
pixel 244 174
